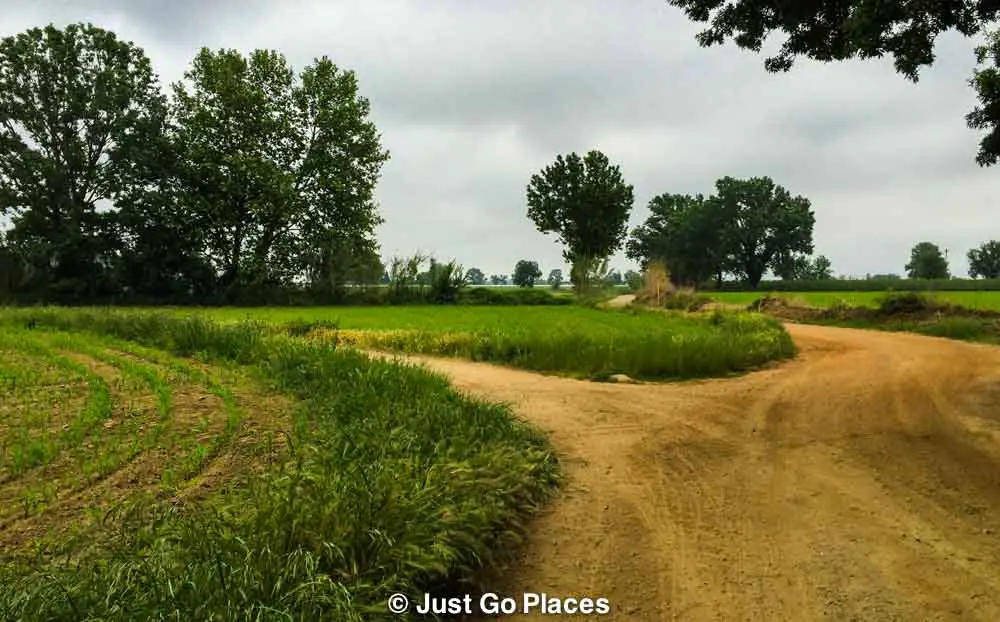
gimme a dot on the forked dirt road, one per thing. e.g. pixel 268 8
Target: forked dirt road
pixel 858 482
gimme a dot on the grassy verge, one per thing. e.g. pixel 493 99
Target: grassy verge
pixel 982 300
pixel 397 483
pixel 643 345
pixel 579 341
pixel 900 312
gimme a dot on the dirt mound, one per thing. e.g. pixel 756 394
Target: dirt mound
pixel 785 309
pixel 861 481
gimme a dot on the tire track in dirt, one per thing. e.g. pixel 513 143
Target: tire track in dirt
pixel 860 481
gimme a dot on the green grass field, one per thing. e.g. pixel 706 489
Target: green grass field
pixel 573 340
pixel 194 465
pixel 970 299
pixel 180 469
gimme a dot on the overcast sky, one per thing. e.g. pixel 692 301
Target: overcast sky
pixel 473 97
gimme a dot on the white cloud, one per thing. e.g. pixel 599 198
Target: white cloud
pixel 474 97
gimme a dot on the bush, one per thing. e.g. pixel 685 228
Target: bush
pixel 518 296
pixel 907 303
pixel 967 328
pixel 685 300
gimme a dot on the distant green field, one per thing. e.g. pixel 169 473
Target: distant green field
pixel 969 299
pixel 420 317
pixel 568 339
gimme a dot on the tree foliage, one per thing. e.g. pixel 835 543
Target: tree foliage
pixel 799 267
pixel 633 279
pixel 763 223
pixel 984 261
pixel 745 228
pixel 555 279
pixel 475 276
pixel 927 262
pixel 986 115
pixel 247 175
pixel 839 30
pixel 585 202
pixel 821 269
pixel 282 170
pixel 686 233
pixel 77 108
pixel 526 273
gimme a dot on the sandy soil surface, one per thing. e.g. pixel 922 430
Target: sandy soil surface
pixel 858 482
pixel 621 301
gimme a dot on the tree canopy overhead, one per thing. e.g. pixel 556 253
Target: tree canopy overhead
pixel 836 30
pixel 839 30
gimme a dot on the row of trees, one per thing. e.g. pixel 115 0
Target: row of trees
pixel 527 274
pixel 928 262
pixel 926 259
pixel 749 226
pixel 243 177
pixel 745 229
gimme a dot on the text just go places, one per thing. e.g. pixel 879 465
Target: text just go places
pixel 498 604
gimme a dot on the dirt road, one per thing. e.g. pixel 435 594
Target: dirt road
pixel 858 482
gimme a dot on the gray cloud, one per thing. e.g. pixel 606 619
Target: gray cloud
pixel 474 97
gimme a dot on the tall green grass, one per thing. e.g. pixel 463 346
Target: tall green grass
pixel 867 285
pixel 650 345
pixel 574 340
pixel 988 300
pixel 398 483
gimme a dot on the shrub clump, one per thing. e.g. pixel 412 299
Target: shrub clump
pixel 909 303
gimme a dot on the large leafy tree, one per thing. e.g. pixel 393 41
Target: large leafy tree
pixel 985 260
pixel 820 269
pixel 927 262
pixel 746 228
pixel 555 278
pixel 764 223
pixel 282 168
pixel 77 107
pixel 792 267
pixel 585 202
pixel 838 30
pixel 526 272
pixel 475 276
pixel 162 244
pixel 686 232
